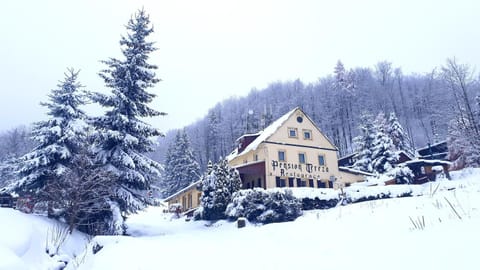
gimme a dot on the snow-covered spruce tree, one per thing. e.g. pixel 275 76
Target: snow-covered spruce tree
pixel 382 149
pixel 122 138
pixel 399 137
pixel 218 186
pixel 60 138
pixel 364 144
pixel 181 168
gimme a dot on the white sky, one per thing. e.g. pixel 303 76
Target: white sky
pixel 210 50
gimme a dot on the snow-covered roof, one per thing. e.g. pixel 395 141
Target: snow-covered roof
pixel 194 184
pixel 263 135
pixel 428 161
pixel 248 135
pixel 248 164
pixel 350 170
pixel 431 145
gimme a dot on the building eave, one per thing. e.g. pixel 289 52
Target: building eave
pixel 183 190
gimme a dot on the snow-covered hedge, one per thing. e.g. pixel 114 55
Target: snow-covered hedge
pixel 261 206
pixel 312 198
pixel 362 194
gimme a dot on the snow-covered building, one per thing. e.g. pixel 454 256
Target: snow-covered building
pixel 437 150
pixel 187 198
pixel 291 152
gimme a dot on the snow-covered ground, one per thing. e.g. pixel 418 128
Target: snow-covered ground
pixel 439 230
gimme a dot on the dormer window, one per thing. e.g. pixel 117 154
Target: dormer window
pixel 292 133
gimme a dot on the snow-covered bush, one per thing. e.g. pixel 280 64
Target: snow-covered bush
pixel 318 203
pixel 362 194
pixel 402 175
pixel 258 205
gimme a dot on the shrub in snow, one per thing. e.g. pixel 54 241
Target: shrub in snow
pixel 318 203
pixel 402 175
pixel 362 194
pixel 261 206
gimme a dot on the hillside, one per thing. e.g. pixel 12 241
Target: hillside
pixel 370 235
pixel 422 102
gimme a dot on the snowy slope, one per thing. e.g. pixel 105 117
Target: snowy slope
pixel 436 231
pixel 370 235
pixel 23 240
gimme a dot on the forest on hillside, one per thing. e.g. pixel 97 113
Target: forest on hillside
pixel 424 103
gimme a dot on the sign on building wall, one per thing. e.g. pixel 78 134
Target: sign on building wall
pixel 308 170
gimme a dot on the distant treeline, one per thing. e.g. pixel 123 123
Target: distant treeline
pixel 424 104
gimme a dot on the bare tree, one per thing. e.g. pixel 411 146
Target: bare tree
pixel 82 197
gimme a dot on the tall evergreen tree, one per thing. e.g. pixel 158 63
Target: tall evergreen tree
pixel 212 136
pixel 364 144
pixel 399 137
pixel 382 149
pixel 122 138
pixel 59 138
pixel 181 168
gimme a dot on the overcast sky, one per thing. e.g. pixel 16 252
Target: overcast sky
pixel 210 50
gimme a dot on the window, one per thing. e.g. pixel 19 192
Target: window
pixel 299 119
pixel 190 200
pixel 307 134
pixel 310 183
pixel 292 132
pixel 321 160
pixel 281 155
pixel 301 158
pixel 256 158
pixel 290 182
pixel 280 182
pixel 259 182
pixel 321 184
pixel 299 182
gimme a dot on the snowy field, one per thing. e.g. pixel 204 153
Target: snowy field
pixel 439 230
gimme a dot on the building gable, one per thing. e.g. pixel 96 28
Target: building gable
pixel 299 129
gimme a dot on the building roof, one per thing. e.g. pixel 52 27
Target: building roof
pixel 431 146
pixel 432 162
pixel 269 131
pixel 353 171
pixel 194 184
pixel 263 135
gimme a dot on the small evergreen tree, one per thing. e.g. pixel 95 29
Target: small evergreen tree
pixel 383 154
pixel 122 138
pixel 218 186
pixel 399 137
pixel 59 139
pixel 364 144
pixel 181 169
